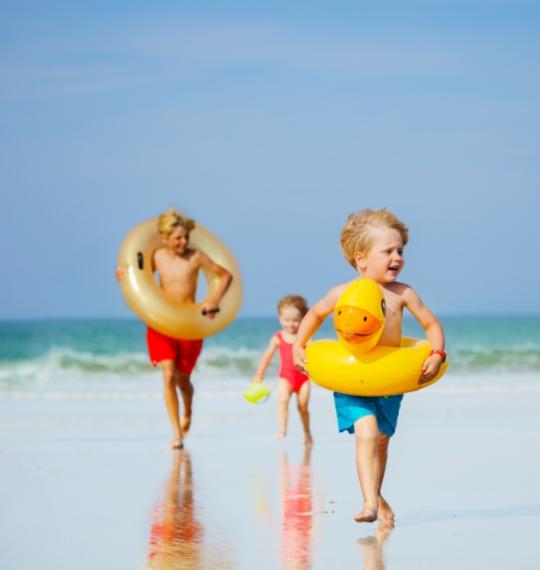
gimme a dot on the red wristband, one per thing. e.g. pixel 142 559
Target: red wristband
pixel 441 353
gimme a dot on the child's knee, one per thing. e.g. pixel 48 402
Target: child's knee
pixel 184 381
pixel 284 399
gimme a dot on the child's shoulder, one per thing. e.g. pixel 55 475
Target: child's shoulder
pixel 326 305
pixel 397 287
pixel 402 290
pixel 275 339
pixel 159 254
pixel 336 291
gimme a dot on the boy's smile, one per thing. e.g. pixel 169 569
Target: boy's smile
pixel 384 260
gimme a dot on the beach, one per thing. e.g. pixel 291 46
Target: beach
pixel 89 482
pixel 242 153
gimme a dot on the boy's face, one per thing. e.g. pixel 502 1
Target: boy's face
pixel 384 261
pixel 290 318
pixel 177 241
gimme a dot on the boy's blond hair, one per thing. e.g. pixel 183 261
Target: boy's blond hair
pixel 296 301
pixel 172 219
pixel 356 235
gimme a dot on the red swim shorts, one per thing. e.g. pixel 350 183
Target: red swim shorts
pixel 183 352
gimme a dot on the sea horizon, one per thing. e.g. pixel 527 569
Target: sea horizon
pixel 440 315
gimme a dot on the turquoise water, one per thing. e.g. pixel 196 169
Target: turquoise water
pixel 100 353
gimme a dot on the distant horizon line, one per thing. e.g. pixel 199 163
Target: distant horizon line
pixel 50 319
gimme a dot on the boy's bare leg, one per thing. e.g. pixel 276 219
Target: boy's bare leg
pixel 284 395
pixel 367 435
pixel 186 388
pixel 386 514
pixel 303 401
pixel 171 401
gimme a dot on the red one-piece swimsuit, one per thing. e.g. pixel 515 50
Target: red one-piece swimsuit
pixel 287 369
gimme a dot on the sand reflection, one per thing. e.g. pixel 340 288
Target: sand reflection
pixel 176 536
pixel 297 505
pixel 373 548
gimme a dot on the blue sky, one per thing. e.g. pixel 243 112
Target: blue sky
pixel 269 123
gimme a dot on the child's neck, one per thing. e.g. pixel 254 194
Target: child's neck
pixel 171 253
pixel 288 335
pixel 363 275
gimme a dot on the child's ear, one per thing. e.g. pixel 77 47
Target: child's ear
pixel 359 260
pixel 163 239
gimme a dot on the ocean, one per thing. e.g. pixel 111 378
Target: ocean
pixel 107 358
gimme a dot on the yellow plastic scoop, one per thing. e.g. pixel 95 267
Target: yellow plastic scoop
pixel 256 393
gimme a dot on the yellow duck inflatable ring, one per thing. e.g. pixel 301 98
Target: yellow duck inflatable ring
pixel 354 364
pixel 146 298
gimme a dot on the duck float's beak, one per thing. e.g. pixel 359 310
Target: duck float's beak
pixel 355 324
pixel 359 316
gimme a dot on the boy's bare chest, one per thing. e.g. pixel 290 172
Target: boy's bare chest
pixel 393 318
pixel 176 268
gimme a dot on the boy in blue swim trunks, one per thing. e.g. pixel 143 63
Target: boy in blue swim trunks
pixel 373 242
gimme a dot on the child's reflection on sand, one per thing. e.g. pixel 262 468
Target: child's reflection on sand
pixel 176 538
pixel 373 548
pixel 297 503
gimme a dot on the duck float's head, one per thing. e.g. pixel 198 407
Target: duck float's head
pixel 359 316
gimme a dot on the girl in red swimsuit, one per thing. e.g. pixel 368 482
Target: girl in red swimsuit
pixel 291 310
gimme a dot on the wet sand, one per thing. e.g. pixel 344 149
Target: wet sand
pixel 92 484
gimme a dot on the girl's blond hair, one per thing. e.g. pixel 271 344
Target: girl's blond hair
pixel 296 301
pixel 172 219
pixel 356 235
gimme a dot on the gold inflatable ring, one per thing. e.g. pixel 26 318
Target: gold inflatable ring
pixel 148 301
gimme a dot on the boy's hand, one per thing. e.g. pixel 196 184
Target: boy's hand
pixel 119 272
pixel 209 310
pixel 430 368
pixel 299 357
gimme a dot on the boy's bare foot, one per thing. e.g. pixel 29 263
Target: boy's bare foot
pixel 281 434
pixel 367 514
pixel 308 438
pixel 382 533
pixel 185 424
pixel 177 443
pixel 386 514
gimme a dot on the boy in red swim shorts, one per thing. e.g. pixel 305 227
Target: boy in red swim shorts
pixel 178 266
pixel 291 310
pixel 162 347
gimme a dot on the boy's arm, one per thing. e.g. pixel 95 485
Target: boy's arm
pixel 266 359
pixel 312 321
pixel 211 306
pixel 434 332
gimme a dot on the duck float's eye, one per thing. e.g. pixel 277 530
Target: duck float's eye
pixel 383 306
pixel 339 312
pixel 365 319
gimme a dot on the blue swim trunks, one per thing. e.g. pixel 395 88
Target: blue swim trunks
pixel 349 409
